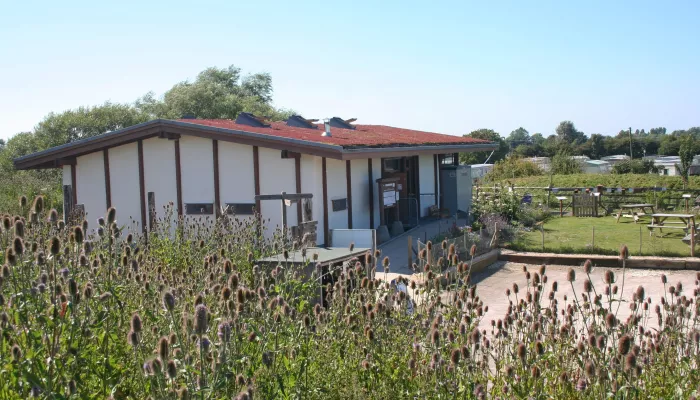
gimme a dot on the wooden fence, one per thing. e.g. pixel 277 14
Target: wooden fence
pixel 585 205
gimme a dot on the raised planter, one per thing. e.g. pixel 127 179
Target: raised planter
pixel 691 263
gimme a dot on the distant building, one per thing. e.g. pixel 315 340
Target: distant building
pixel 542 162
pixel 596 167
pixel 479 171
pixel 615 159
pixel 668 165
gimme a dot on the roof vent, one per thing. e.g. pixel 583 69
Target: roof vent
pixel 298 121
pixel 337 122
pixel 249 119
pixel 327 128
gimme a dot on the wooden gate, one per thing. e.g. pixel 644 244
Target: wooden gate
pixel 585 205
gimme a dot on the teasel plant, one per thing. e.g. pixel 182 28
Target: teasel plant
pixel 188 310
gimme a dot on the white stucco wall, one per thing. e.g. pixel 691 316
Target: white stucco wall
pixel 159 174
pixel 360 194
pixel 277 175
pixel 236 177
pixel 90 181
pixel 197 171
pixel 124 178
pixel 426 177
pixel 337 189
pixel 311 183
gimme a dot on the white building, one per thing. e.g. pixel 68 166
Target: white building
pixel 479 171
pixel 615 159
pixel 542 162
pixel 668 165
pixel 202 166
pixel 595 167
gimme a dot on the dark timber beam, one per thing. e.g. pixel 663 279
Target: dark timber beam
pixel 74 182
pixel 178 179
pixel 256 178
pixel 348 183
pixel 108 183
pixel 142 188
pixel 217 190
pixel 297 173
pixel 371 193
pixel 324 185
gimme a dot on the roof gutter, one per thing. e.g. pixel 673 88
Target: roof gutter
pixel 349 154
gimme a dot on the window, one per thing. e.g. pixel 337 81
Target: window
pixel 339 204
pixel 241 208
pixel 449 159
pixel 392 164
pixel 199 209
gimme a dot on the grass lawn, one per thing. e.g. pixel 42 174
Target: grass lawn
pixel 575 235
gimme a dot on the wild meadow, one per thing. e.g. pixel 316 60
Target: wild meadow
pixel 89 311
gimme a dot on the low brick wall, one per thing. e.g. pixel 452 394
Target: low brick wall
pixel 600 261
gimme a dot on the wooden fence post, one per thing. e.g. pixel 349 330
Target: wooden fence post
pixel 410 252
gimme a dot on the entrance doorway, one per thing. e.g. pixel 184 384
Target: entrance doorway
pixel 405 169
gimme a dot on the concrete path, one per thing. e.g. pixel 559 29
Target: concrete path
pixel 397 248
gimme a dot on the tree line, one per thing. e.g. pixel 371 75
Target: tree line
pixel 569 140
pixel 215 93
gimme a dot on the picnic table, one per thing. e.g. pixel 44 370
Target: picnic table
pixel 658 221
pixel 631 207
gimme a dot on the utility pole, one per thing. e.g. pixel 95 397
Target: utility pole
pixel 630 143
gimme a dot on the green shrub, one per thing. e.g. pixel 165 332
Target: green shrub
pixel 635 167
pixel 513 167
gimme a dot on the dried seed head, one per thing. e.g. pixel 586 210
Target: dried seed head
pixel 55 246
pixel 18 246
pixel 168 300
pixel 587 266
pixel 16 353
pixel 624 252
pixel 609 277
pixel 78 234
pixel 19 228
pixel 136 324
pixel 589 369
pixel 111 215
pixel 201 319
pixel 571 275
pixel 163 348
pixel 640 293
pixel 624 344
pixel 522 352
pixel 630 361
pixel 38 205
pixel 171 369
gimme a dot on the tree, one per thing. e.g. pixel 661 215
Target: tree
pixel 518 137
pixel 563 164
pixel 595 146
pixel 686 153
pixel 566 132
pixel 216 93
pixel 670 146
pixel 657 131
pixel 480 157
pixel 83 122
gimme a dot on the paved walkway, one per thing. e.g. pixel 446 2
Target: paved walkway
pixel 397 248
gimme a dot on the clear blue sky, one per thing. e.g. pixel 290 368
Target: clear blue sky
pixel 450 67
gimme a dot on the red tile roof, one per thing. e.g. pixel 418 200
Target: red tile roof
pixel 361 136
